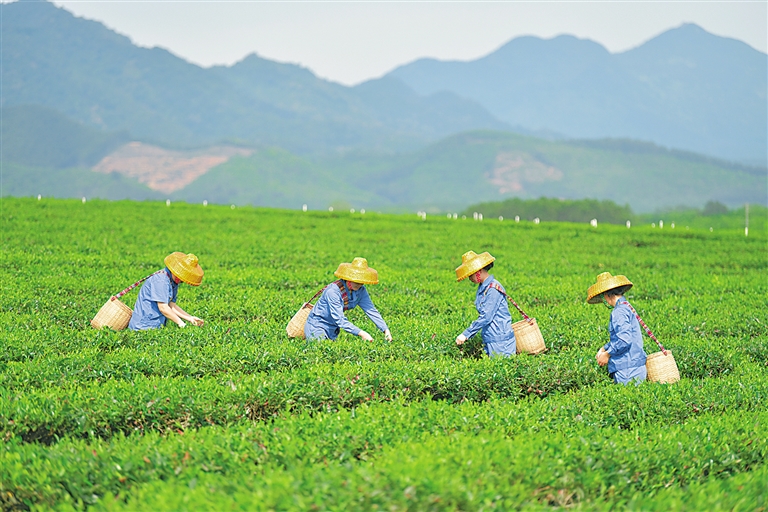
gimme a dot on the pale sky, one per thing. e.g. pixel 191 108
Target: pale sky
pixel 353 41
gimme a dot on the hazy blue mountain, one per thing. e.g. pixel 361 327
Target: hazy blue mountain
pixel 447 175
pixel 96 76
pixel 70 182
pixel 39 136
pixel 685 89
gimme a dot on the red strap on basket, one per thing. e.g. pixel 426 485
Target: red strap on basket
pixel 498 288
pixel 341 289
pixel 343 294
pixel 647 330
pixel 316 295
pixel 134 285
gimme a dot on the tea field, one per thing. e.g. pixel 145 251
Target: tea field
pixel 236 416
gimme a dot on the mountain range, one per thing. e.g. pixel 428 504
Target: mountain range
pixel 685 89
pixel 93 75
pixel 446 175
pixel 558 118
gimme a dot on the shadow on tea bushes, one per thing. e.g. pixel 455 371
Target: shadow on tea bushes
pixel 657 416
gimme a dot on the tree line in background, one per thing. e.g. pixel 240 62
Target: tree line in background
pixel 584 210
pixel 551 209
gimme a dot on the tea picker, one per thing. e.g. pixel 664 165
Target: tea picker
pixel 624 354
pixel 325 319
pixel 157 298
pixel 500 336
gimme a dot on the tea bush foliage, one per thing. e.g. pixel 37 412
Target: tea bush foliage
pixel 234 415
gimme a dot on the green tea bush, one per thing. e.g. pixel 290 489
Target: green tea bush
pixel 235 415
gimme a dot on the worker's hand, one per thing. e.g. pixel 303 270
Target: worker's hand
pixel 197 321
pixel 602 357
pixel 460 339
pixel 181 323
pixel 387 335
pixel 365 336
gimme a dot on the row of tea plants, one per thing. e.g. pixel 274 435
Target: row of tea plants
pixel 234 415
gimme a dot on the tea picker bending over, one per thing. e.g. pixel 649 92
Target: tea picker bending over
pixel 624 352
pixel 327 316
pixel 157 298
pixel 494 320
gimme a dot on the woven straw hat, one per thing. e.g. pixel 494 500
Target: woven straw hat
pixel 358 272
pixel 471 263
pixel 185 267
pixel 605 282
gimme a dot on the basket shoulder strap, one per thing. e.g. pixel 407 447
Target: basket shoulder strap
pixel 344 296
pixel 647 330
pixel 316 295
pixel 498 288
pixel 137 283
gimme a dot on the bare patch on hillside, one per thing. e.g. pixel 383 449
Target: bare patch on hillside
pixel 162 169
pixel 513 170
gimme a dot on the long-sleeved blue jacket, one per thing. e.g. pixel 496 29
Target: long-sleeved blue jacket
pixel 158 288
pixel 494 320
pixel 626 339
pixel 327 316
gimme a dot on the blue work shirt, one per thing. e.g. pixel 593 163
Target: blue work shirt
pixel 158 288
pixel 494 320
pixel 327 316
pixel 626 339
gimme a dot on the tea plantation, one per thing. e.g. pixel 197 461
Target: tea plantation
pixel 236 416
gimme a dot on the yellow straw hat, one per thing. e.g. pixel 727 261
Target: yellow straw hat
pixel 185 267
pixel 471 263
pixel 605 282
pixel 358 272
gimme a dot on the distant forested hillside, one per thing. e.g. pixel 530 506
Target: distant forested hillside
pixel 426 137
pixel 42 137
pixel 483 166
pixel 462 169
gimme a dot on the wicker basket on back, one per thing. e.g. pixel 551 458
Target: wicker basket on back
pixel 114 313
pixel 528 336
pixel 662 368
pixel 295 327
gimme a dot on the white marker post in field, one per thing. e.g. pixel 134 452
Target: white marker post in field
pixel 746 219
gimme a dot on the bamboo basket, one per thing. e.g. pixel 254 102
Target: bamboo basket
pixel 295 327
pixel 661 368
pixel 113 314
pixel 528 337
